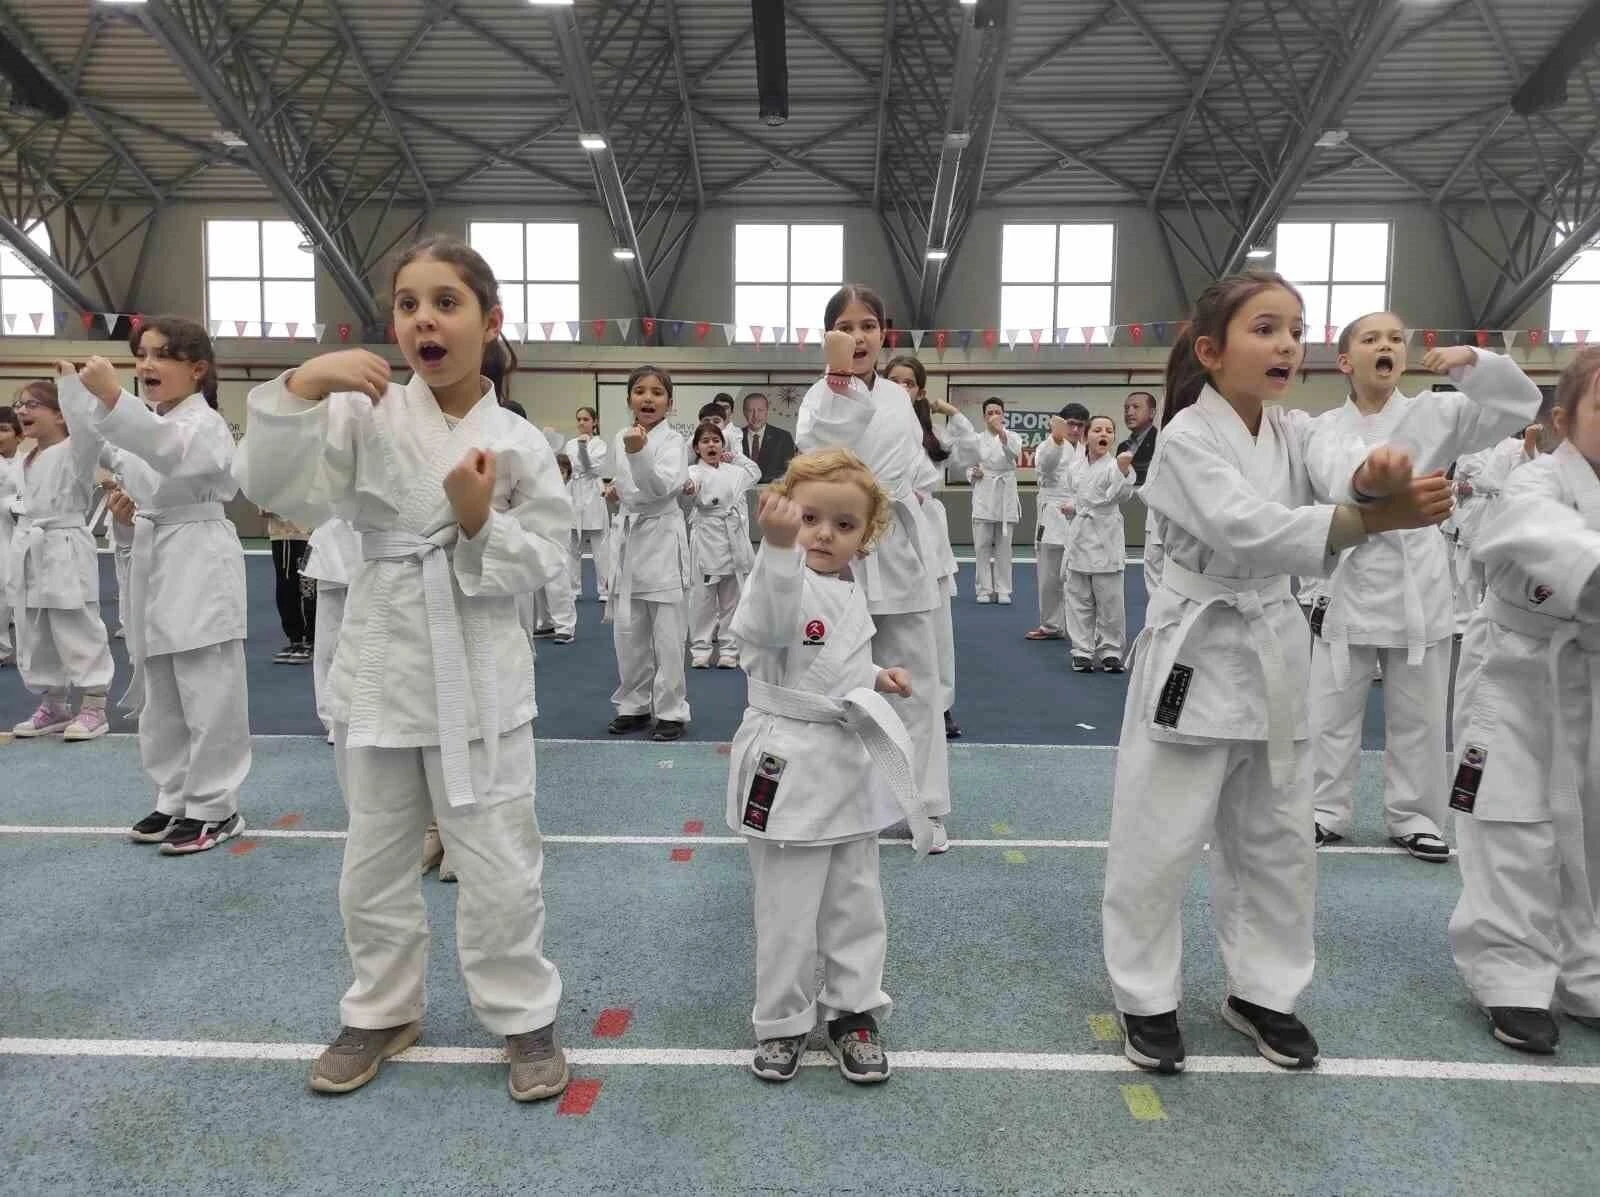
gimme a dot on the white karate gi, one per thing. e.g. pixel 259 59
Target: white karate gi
pixel 650 577
pixel 10 508
pixel 185 598
pixel 333 559
pixel 819 766
pixel 1486 471
pixel 960 440
pixel 590 517
pixel 900 574
pixel 995 510
pixel 1213 733
pixel 431 689
pixel 1054 466
pixel 1093 559
pixel 53 578
pixel 1389 602
pixel 1527 738
pixel 720 552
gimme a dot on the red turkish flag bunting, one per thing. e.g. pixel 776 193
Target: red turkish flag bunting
pixel 1430 338
pixel 1136 331
pixel 88 320
pixel 344 332
pixel 700 330
pixel 1535 336
pixel 940 338
pixel 649 325
pixel 1483 338
pixel 599 327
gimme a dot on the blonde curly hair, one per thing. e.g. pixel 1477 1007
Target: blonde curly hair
pixel 840 465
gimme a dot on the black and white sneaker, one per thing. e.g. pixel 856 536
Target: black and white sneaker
pixel 778 1059
pixel 562 637
pixel 153 828
pixel 1326 837
pixel 1525 1028
pixel 1153 1041
pixel 853 1041
pixel 286 655
pixel 1281 1038
pixel 1082 665
pixel 1111 665
pixel 1424 846
pixel 194 835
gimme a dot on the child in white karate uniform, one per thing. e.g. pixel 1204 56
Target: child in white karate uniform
pixel 819 766
pixel 589 456
pixel 719 546
pixel 53 576
pixel 996 507
pixel 10 438
pixel 551 612
pixel 460 510
pixel 650 565
pixel 1096 547
pixel 1056 462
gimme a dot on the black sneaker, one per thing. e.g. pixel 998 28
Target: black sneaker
pixel 1082 665
pixel 778 1059
pixel 1111 665
pixel 153 828
pixel 1325 837
pixel 544 633
pixel 562 637
pixel 1525 1029
pixel 1153 1041
pixel 1424 846
pixel 853 1041
pixel 951 731
pixel 667 729
pixel 1281 1038
pixel 193 835
pixel 624 725
pixel 285 655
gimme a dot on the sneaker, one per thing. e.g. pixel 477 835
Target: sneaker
pixel 91 723
pixel 1082 665
pixel 195 835
pixel 951 731
pixel 1043 633
pixel 352 1059
pixel 1326 837
pixel 853 1041
pixel 1526 1029
pixel 1424 846
pixel 667 729
pixel 153 828
pixel 985 598
pixel 285 655
pixel 1111 665
pixel 303 654
pixel 562 637
pixel 622 725
pixel 1281 1038
pixel 941 837
pixel 46 721
pixel 538 1065
pixel 1004 600
pixel 432 849
pixel 699 662
pixel 778 1059
pixel 545 632
pixel 728 662
pixel 1153 1041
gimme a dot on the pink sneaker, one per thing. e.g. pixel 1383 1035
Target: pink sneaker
pixel 46 721
pixel 90 724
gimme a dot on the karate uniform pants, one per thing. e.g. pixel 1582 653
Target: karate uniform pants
pixel 7 643
pixel 330 619
pixel 946 629
pixel 1052 594
pixel 595 541
pixel 1524 931
pixel 650 665
pixel 1155 554
pixel 63 648
pixel 1468 578
pixel 1171 800
pixel 711 608
pixel 991 542
pixel 194 730
pixel 495 849
pixel 911 641
pixel 1096 619
pixel 554 606
pixel 1416 703
pixel 817 903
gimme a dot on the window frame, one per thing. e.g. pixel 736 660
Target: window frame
pixel 1317 328
pixel 26 273
pixel 1589 322
pixel 791 337
pixel 559 330
pixel 1056 285
pixel 221 327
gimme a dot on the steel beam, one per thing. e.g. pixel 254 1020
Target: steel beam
pixel 49 269
pixel 347 37
pixel 1544 272
pixel 885 65
pixel 680 67
pixel 1198 87
pixel 957 137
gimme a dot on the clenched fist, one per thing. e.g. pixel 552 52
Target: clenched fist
pixel 470 489
pixel 99 378
pixel 894 681
pixel 838 351
pixel 634 438
pixel 357 370
pixel 780 518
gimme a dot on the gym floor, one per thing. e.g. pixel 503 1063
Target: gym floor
pixel 159 1015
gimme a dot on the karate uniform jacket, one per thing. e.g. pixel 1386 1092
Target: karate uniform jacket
pixel 590 464
pixel 1487 470
pixel 994 495
pixel 1055 466
pixel 879 425
pixel 10 508
pixel 650 558
pixel 719 540
pixel 334 554
pixel 51 558
pixel 1097 542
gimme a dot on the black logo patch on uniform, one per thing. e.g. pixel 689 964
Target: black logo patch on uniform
pixel 1539 593
pixel 1319 611
pixel 763 791
pixel 816 633
pixel 1469 776
pixel 1173 694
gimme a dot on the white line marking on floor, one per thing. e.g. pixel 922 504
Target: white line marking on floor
pixel 945 1061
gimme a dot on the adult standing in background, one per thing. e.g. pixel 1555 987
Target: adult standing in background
pixel 767 446
pixel 1139 414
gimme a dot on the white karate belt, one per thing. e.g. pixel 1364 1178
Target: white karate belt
pixel 145 524
pixel 448 647
pixel 28 536
pixel 1336 625
pixel 867 715
pixel 622 590
pixel 738 536
pixel 1250 597
pixel 1572 644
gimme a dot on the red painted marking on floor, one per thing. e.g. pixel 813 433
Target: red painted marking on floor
pixel 724 749
pixel 682 854
pixel 612 1023
pixel 580 1096
pixel 240 847
pixel 287 822
pixel 694 827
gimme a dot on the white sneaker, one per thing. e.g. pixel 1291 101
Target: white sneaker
pixel 986 598
pixel 1004 600
pixel 941 837
pixel 90 724
pixel 699 662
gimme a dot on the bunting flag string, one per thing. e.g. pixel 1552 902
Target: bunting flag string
pixel 626 326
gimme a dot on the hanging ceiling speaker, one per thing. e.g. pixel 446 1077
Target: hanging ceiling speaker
pixel 31 94
pixel 772 60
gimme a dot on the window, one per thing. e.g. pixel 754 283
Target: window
pixel 1575 298
pixel 537 268
pixel 26 301
pixel 784 275
pixel 1057 277
pixel 1341 269
pixel 260 279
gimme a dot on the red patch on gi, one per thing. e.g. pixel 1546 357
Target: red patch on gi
pixel 612 1023
pixel 580 1096
pixel 816 632
pixel 680 855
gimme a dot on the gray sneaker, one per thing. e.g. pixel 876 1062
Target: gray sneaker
pixel 352 1059
pixel 778 1059
pixel 853 1041
pixel 538 1065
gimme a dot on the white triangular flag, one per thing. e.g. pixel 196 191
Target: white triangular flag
pixel 1410 332
pixel 319 329
pixel 1509 337
pixel 38 320
pixel 626 326
pixel 777 334
pixel 573 328
pixel 1011 337
pixel 916 337
pixel 548 327
pixel 728 331
pixel 216 328
pixel 111 319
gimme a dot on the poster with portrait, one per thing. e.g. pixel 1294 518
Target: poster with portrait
pixel 782 400
pixel 1029 408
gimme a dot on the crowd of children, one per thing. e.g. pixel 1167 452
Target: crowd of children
pixel 449 533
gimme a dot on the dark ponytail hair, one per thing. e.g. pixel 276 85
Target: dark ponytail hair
pixel 1213 312
pixel 936 452
pixel 854 293
pixel 187 341
pixel 11 420
pixel 499 364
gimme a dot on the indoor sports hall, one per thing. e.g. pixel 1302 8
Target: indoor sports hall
pixel 1039 190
